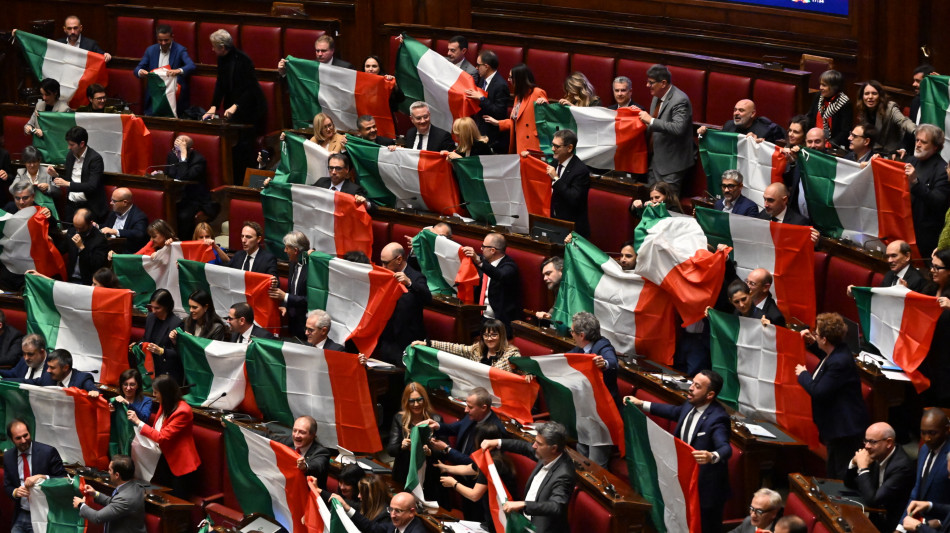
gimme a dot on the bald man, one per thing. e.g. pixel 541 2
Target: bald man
pixel 760 287
pixel 402 513
pixel 405 325
pixel 127 221
pixel 777 206
pixel 883 474
pixel 745 121
pixel 72 27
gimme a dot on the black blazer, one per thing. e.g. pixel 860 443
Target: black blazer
pixel 384 141
pixel 771 311
pixel 330 344
pixel 892 494
pixel 401 456
pixel 438 140
pixel 463 430
pixel 569 195
pixel 504 291
pixel 91 182
pixel 549 509
pixel 85 43
pixel 744 207
pixel 494 105
pixel 256 331
pixel 406 324
pixel 297 301
pixel 192 170
pixel 791 216
pixel 135 231
pixel 348 187
pixel 915 281
pixel 237 83
pixel 264 262
pixel 317 459
pixel 80 380
pixel 11 346
pixel 835 391
pixel 156 332
pixel 215 330
pixel 93 256
pixel 929 198
pixel 45 460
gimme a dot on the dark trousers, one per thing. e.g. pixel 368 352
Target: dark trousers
pixel 840 453
pixel 711 518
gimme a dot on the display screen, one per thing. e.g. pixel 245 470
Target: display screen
pixel 831 7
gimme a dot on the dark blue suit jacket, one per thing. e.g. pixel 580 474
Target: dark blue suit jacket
pixel 20 370
pixel 177 58
pixel 45 460
pixel 264 262
pixel 936 488
pixel 744 207
pixel 297 302
pixel 82 380
pixel 835 391
pixel 603 348
pixel 464 431
pixel 712 434
pixel 135 231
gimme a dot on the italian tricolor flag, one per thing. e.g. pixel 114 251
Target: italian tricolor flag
pixel 577 397
pixel 343 94
pixel 215 370
pixel 291 380
pixel 321 518
pixel 25 244
pixel 75 69
pixel 147 273
pixel 123 141
pixel 163 92
pixel 301 161
pixel 67 419
pixel 860 204
pixel 663 470
pixel 757 363
pixel 51 506
pixel 606 138
pixel 425 75
pixel 635 314
pixel 781 249
pixel 497 496
pixel 935 105
pixel 333 221
pixel 447 269
pixel 672 253
pixel 93 323
pixel 228 286
pixel 405 178
pixel 265 477
pixel 761 163
pixel 416 477
pixel 900 323
pixel 435 369
pixel 501 190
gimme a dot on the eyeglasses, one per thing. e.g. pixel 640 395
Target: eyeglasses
pixel 872 442
pixel 490 335
pixel 99 98
pixel 230 318
pixel 855 135
pixel 556 146
pixel 728 186
pixel 759 512
pixel 396 510
pixel 938 269
pixel 336 169
pixel 415 400
pixel 651 83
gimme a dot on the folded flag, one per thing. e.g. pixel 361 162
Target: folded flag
pixel 635 314
pixel 121 430
pixel 215 370
pixel 435 369
pixel 663 470
pixel 74 68
pixel 757 364
pixel 425 75
pixel 501 190
pixel 333 221
pixel 359 298
pixel 613 139
pixel 51 506
pixel 672 253
pixel 405 178
pixel 67 419
pixel 301 161
pixel 343 94
pixel 416 478
pixel 163 92
pixel 265 477
pixel 228 286
pixel 935 106
pixel 497 496
pixel 93 323
pixel 25 244
pixel 761 163
pixel 447 269
pixel 781 249
pixel 900 323
pixel 148 273
pixel 127 439
pixel 123 141
pixel 846 201
pixel 290 380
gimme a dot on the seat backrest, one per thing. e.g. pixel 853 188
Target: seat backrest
pixel 692 82
pixel 648 396
pixel 134 35
pixel 534 293
pixel 821 273
pixel 162 141
pixel 795 506
pixel 241 211
pixel 262 45
pixel 299 42
pixel 774 100
pixel 736 507
pixel 550 70
pixel 124 85
pixel 508 56
pixel 16 318
pixel 203 52
pixel 523 468
pixel 202 91
pixel 380 236
pixel 272 97
pixel 820 527
pixel 150 201
pixel 399 232
pixel 210 147
pixel 722 93
pixel 529 348
pixel 842 273
pixel 816 65
pixel 185 32
pixel 210 475
pixel 440 325
pixel 614 223
pixel 637 72
pixel 600 72
pixel 13 138
pixel 586 514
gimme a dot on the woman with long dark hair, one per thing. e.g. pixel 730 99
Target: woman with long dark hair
pixel 159 323
pixel 202 321
pixel 524 134
pixel 160 234
pixel 875 107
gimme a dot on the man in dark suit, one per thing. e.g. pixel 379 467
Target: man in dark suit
pixel 314 459
pixel 186 164
pixel 763 512
pixel 252 257
pixel 883 474
pixel 323 50
pixel 932 483
pixel 11 343
pixel 402 512
pixel 241 322
pixel 368 131
pixel 23 465
pixel 760 285
pixel 776 206
pixel 406 324
pixel 88 248
pixel 167 52
pixel 85 186
pixel 72 27
pixel 340 167
pixel 293 301
pixel 623 93
pixel 929 187
pixel 501 286
pixel 124 510
pixel 455 53
pixel 861 140
pixel 318 331
pixel 670 124
pixel 33 363
pixel 60 373
pixel 126 221
pixel 703 424
pixel 570 183
pixel 423 135
pixel 478 413
pixel 547 495
pixel 745 121
pixel 585 331
pixel 901 271
pixel 732 200
pixel 494 104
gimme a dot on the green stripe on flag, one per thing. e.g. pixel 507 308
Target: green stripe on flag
pixel 651 215
pixel 122 431
pixel 582 272
pixel 723 334
pixel 15 403
pixel 52 144
pixel 365 156
pixel 716 226
pixel 191 277
pixel 423 246
pixel 719 152
pixel 34 50
pixel 934 100
pixel 62 516
pixel 471 180
pixel 265 361
pixel 862 298
pixel 42 316
pixel 318 280
pixel 251 493
pixel 550 118
pixel 132 274
pixel 156 87
pixel 292 167
pixel 422 366
pixel 278 205
pixel 199 372
pixel 818 173
pixel 407 74
pixel 641 463
pixel 560 399
pixel 138 356
pixel 303 81
pixel 418 438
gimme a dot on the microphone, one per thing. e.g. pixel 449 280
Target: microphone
pixel 463 204
pixel 223 394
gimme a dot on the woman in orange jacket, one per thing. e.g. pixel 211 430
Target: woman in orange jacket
pixel 525 135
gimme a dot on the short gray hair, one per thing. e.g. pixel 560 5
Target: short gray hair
pixel 22 186
pixel 418 104
pixel 936 135
pixel 775 499
pixel 297 240
pixel 35 340
pixel 587 324
pixel 30 155
pixel 554 433
pixel 222 38
pixel 482 396
pixel 323 318
pixel 733 175
pixel 625 80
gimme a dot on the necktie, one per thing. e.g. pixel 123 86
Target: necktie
pixel 774 219
pixel 928 464
pixel 419 141
pixel 293 279
pixel 560 167
pixel 247 263
pixel 299 452
pixel 684 432
pixel 484 85
pixel 26 465
pixel 60 384
pixel 30 375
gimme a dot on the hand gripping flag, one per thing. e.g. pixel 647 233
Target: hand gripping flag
pixel 447 269
pixel 498 495
pixel 229 286
pixel 74 68
pixel 51 506
pixel 416 478
pixel 935 106
pixel 613 139
pixel 163 91
pixel 301 161
pixel 147 273
pixel 25 244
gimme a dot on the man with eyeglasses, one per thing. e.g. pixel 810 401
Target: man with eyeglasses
pixel 402 512
pixel 760 285
pixel 406 323
pixel 241 321
pixel 423 135
pixel 340 166
pixel 932 481
pixel 670 124
pixel 33 362
pixel 494 103
pixel 862 144
pixel 732 200
pixel 500 290
pixel 318 331
pixel 766 504
pixel 883 475
pixel 585 331
pixel 97 101
pixel 929 187
pixel 126 221
pixel 570 182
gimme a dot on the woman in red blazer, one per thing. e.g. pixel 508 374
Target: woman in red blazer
pixel 173 433
pixel 525 135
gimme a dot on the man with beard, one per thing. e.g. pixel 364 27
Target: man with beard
pixel 929 188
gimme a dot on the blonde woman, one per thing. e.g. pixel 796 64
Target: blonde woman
pixel 578 91
pixel 325 134
pixel 470 140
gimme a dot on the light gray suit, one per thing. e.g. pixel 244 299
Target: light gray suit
pixel 122 513
pixel 468 67
pixel 674 151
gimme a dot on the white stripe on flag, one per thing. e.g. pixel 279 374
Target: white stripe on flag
pixel 318 158
pixel 495 479
pixel 313 212
pixel 145 455
pixel 886 317
pixel 66 64
pixel 309 391
pixel 597 127
pixel 755 160
pixel 855 200
pixel 227 286
pixel 447 252
pixel 16 242
pixel 616 312
pixel 667 469
pixel 39 509
pixel 434 71
pixel 55 415
pixel 77 331
pixel 756 372
pixel 348 296
pixel 591 430
pixel 467 375
pixel 263 460
pixel 105 136
pixel 747 239
pixel 502 180
pixel 336 95
pixel 226 360
pixel 399 170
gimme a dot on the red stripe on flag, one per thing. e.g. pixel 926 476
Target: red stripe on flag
pixel 779 162
pixel 249 403
pixel 792 403
pixel 46 258
pixel 656 324
pixel 355 425
pixel 438 187
pixel 312 519
pixel 695 283
pixel 95 72
pixel 112 317
pixel 793 248
pixel 631 154
pixel 197 251
pixel 517 396
pixel 92 427
pixel 918 323
pixel 266 311
pixel 536 186
pixel 372 98
pixel 384 292
pixel 606 408
pixel 687 473
pixel 894 220
pixel 136 146
pixel 352 225
pixel 295 487
pixel 459 104
pixel 482 459
pixel 466 279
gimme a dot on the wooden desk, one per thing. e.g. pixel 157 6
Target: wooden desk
pixel 836 515
pixel 885 393
pixel 543 336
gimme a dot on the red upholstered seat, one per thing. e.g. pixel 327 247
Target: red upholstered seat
pixel 599 71
pixel 722 93
pixel 137 334
pixel 774 100
pixel 162 141
pixel 393 48
pixel 876 279
pixel 299 42
pixel 399 232
pixel 508 56
pixel 530 348
pixel 202 91
pixel 820 527
pixel 153 523
pixel 124 85
pixel 380 236
pixel 821 272
pixel 210 147
pixel 272 97
pixel 185 32
pixel 523 468
pixel 151 202
pixel 134 35
pixel 637 72
pixel 585 514
pixel 736 507
pixel 403 123
pixel 842 273
pixel 210 476
pixel 795 506
pixel 693 83
pixel 550 70
pixel 614 223
pixel 13 138
pixel 203 53
pixel 241 211
pixel 533 291
pixel 262 45
pixel 16 318
pixel 439 325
